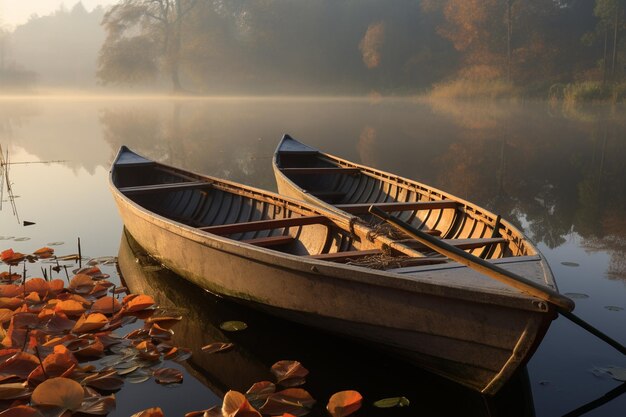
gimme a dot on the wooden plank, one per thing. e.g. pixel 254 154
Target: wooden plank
pixel 227 229
pixel 346 256
pixel 464 244
pixel 154 188
pixel 361 208
pixel 269 241
pixel 320 170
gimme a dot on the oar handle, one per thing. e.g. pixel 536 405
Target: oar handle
pixel 479 264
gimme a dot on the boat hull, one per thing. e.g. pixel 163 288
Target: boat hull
pixel 477 342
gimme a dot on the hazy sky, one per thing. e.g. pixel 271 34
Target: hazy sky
pixel 16 12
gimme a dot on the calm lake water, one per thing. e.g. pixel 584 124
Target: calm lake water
pixel 559 174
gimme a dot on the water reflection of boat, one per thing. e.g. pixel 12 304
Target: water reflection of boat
pixel 334 364
pixel 291 259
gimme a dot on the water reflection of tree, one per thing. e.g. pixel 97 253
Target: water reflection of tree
pixel 184 134
pixel 565 174
pixel 14 114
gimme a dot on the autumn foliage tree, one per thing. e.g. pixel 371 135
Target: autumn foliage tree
pixel 144 41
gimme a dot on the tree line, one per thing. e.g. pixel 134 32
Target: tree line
pixel 345 47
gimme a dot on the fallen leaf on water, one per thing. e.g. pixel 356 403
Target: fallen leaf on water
pixel 70 307
pixel 97 405
pixel 21 411
pixel 392 402
pixel 89 323
pixel 60 392
pixel 344 403
pixel 106 305
pixel 233 326
pixel 236 405
pixel 20 364
pixel 150 412
pixel 138 303
pixel 217 347
pixel 168 376
pixel 257 394
pixel 14 391
pixel 289 373
pixel 573 264
pixel 613 308
pixel 295 401
pixel 44 252
pixel 165 322
pixel 105 380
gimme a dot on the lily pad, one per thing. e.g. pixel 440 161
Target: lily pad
pixel 392 402
pixel 21 239
pixel 55 243
pixel 572 264
pixel 233 326
pixel 613 308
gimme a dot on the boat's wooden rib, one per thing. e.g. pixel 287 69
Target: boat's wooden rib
pixel 230 228
pixel 160 188
pixel 361 208
pixel 322 170
pixel 333 270
pixel 460 243
pixel 266 242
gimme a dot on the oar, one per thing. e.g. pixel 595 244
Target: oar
pixel 563 304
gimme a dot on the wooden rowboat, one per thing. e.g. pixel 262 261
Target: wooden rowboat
pixel 490 353
pixel 322 268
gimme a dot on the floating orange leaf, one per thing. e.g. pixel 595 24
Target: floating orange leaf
pixel 217 347
pixel 10 257
pixel 106 305
pixel 61 392
pixel 150 412
pixel 59 363
pixel 56 285
pixel 295 401
pixel 58 322
pixel 10 303
pixel 70 307
pixel 105 380
pixel 344 403
pixel 38 285
pixel 157 332
pixel 82 284
pixel 5 315
pixel 97 405
pixel 89 323
pixel 88 348
pixel 44 252
pixel 11 290
pixel 236 405
pixel 165 322
pixel 21 411
pixel 138 303
pixel 259 392
pixel 20 364
pixel 14 391
pixel 289 373
pixel 168 376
